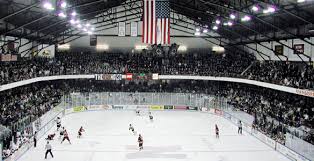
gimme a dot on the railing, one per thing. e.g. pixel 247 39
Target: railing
pixel 124 98
pixel 128 101
pixel 42 125
pixel 289 143
pixel 274 144
pixel 304 92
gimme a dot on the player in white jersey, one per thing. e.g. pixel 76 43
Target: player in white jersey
pixel 131 128
pixel 58 123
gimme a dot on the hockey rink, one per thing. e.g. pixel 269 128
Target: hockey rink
pixel 172 136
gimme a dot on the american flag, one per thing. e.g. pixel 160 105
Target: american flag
pixel 156 22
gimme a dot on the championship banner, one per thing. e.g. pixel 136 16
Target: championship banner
pixel 134 29
pixel 0 152
pixel 279 49
pixel 5 57
pixel 298 48
pixel 121 29
pixel 92 40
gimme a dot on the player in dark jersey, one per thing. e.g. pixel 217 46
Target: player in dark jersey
pixel 240 127
pixel 217 131
pixel 65 136
pixel 50 136
pixel 81 130
pixel 137 112
pixel 140 141
pixel 151 118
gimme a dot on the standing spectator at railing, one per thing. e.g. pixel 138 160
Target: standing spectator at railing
pixel 240 127
pixel 35 139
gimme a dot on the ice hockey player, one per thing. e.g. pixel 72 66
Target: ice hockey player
pixel 137 111
pixel 65 136
pixel 48 150
pixel 140 141
pixel 58 123
pixel 62 132
pixel 50 136
pixel 81 130
pixel 217 131
pixel 240 127
pixel 151 118
pixel 131 128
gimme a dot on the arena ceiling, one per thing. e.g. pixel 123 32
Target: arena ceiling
pixel 27 18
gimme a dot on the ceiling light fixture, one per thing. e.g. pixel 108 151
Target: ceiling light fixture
pixel 63 4
pixel 246 18
pixel 255 8
pixel 61 14
pixel 47 5
pixel 232 16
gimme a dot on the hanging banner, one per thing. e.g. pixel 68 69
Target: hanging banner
pixel 279 49
pixel 134 29
pixel 121 29
pixel 298 48
pixel 0 152
pixel 92 40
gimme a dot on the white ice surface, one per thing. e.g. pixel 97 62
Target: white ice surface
pixel 172 136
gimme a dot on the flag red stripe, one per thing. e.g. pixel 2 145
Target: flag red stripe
pixel 152 22
pixel 155 32
pixel 165 30
pixel 168 30
pixel 147 22
pixel 143 22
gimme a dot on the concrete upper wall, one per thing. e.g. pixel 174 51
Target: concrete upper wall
pixel 26 46
pixel 129 42
pixel 308 50
pixel 116 42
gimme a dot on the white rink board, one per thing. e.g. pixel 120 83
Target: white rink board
pixel 172 136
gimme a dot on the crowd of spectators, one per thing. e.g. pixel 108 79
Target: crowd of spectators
pixel 294 74
pixel 21 106
pixel 291 74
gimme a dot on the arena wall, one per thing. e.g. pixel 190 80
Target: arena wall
pixel 308 49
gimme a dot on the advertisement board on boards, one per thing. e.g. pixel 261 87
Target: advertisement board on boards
pixel 156 107
pixel 168 107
